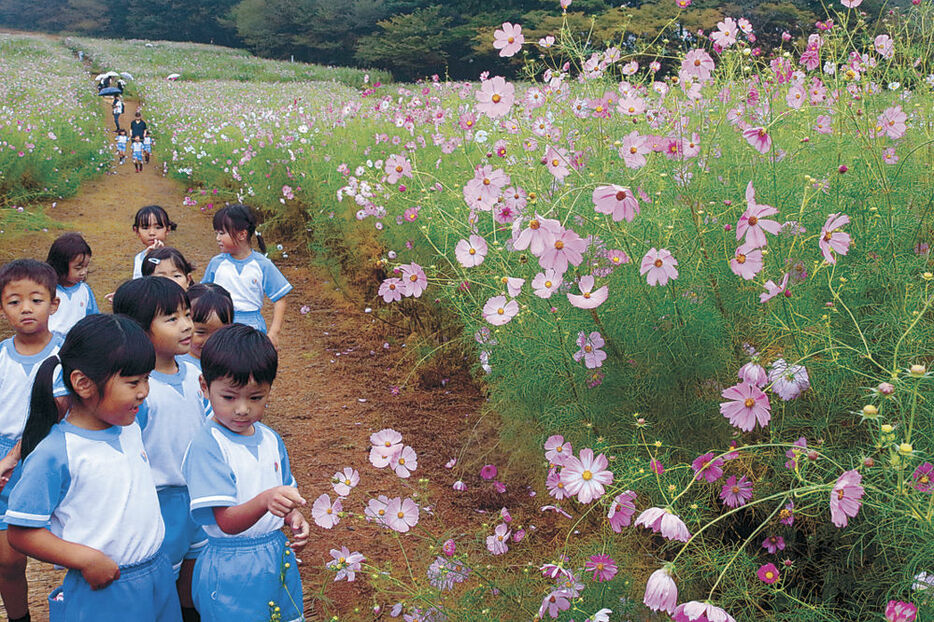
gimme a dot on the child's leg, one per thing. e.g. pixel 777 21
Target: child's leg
pixel 13 585
pixel 183 585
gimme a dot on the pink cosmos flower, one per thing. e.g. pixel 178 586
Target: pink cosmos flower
pixel 586 476
pixel 325 513
pixel 385 444
pixel 449 547
pixel 391 289
pixel 621 510
pixel 753 373
pixel 831 238
pixel 538 236
pixel 747 263
pixel 697 65
pixel 795 452
pixel 707 468
pixel 590 351
pixel 900 611
pixel 497 311
pixel 557 600
pixel 758 138
pixel 845 498
pixel 514 286
pixel 616 257
pixel 725 34
pixel 345 481
pixel 497 544
pixel 459 486
pixel 823 124
pixel 414 279
pixel 567 247
pixel 747 405
pixel 661 593
pixel 772 544
pixel 404 462
pixel 508 40
pixel 401 514
pixel 634 149
pixel 546 283
pixel 495 97
pixel 768 573
pixel 557 162
pixel 617 201
pixel 491 181
pixel 751 223
pixel 787 515
pixel 396 167
pixel 661 520
pixel 471 252
pixel 772 290
pixel 851 4
pixel 923 476
pixel 555 486
pixel 658 266
pixel 346 564
pixel 695 611
pixel 589 299
pixel 885 46
pixel 376 510
pixel 788 381
pixel 602 566
pixel 556 450
pixel 488 471
pixel 892 122
pixel 736 493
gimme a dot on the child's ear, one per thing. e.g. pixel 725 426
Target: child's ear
pixel 84 387
pixel 54 306
pixel 204 385
pixel 242 235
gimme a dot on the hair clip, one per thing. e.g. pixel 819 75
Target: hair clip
pixel 153 260
pixel 259 234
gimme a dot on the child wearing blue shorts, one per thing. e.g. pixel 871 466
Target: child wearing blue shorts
pixel 242 489
pixel 138 154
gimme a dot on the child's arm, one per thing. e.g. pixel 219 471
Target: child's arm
pixel 275 286
pixel 278 314
pixel 300 528
pixel 96 568
pixel 8 463
pixel 280 501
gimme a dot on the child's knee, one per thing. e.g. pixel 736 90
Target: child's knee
pixel 12 566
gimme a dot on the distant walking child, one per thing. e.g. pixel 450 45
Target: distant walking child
pixel 242 489
pixel 168 262
pixel 122 141
pixel 27 297
pixel 246 274
pixel 171 416
pixel 117 109
pixel 70 257
pixel 86 499
pixel 211 310
pixel 138 154
pixel 147 145
pixel 151 225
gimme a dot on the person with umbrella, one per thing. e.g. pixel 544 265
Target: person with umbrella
pixel 117 110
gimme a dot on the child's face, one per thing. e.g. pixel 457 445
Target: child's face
pixel 151 231
pixel 167 268
pixel 203 330
pixel 171 333
pixel 123 395
pixel 237 408
pixel 77 270
pixel 228 242
pixel 27 306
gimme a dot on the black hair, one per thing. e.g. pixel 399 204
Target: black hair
pixel 157 255
pixel 146 297
pixel 238 217
pixel 100 346
pixel 63 250
pixel 239 352
pixel 150 212
pixel 208 298
pixel 35 271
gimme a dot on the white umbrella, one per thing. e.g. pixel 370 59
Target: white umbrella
pixel 173 76
pixel 100 77
pixel 127 75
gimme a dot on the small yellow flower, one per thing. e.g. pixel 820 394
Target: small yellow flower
pixel 886 428
pixel 927 276
pixel 917 371
pixel 905 449
pixel 870 410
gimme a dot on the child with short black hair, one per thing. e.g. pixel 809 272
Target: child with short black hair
pixel 147 145
pixel 27 299
pixel 122 141
pixel 138 154
pixel 172 414
pixel 70 257
pixel 151 225
pixel 86 500
pixel 168 262
pixel 211 310
pixel 242 489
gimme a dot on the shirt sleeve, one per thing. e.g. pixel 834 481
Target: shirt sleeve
pixel 275 284
pixel 42 485
pixel 210 270
pixel 58 383
pixel 287 478
pixel 211 481
pixel 142 415
pixel 92 302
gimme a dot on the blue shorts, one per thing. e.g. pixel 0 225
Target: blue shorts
pixel 145 592
pixel 184 539
pixel 250 318
pixel 237 578
pixel 147 148
pixel 137 157
pixel 121 150
pixel 6 444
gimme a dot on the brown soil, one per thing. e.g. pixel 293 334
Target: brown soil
pixel 332 392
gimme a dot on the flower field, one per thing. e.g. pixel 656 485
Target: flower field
pixel 51 138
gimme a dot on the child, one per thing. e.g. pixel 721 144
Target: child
pixel 86 500
pixel 27 297
pixel 70 257
pixel 169 263
pixel 172 414
pixel 151 225
pixel 241 488
pixel 138 154
pixel 147 145
pixel 211 309
pixel 243 272
pixel 121 145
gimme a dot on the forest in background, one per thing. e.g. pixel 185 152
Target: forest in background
pixel 410 38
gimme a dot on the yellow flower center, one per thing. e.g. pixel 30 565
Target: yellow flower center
pixel 559 245
pixel 753 221
pixel 658 263
pixel 749 403
pixel 401 514
pixel 555 162
pixel 399 168
pixel 741 258
pixel 401 460
pixel 548 285
pixel 587 476
pixel 500 311
pixel 496 98
pixel 472 251
pixel 588 348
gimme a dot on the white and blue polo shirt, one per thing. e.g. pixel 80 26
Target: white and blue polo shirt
pixel 74 304
pixel 138 263
pixel 248 280
pixel 17 374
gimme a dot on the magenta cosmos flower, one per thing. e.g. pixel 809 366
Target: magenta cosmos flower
pixel 621 510
pixel 758 138
pixel 602 566
pixel 586 476
pixel 567 248
pixel 658 266
pixel 495 97
pixel 747 263
pixel 661 520
pixel 497 311
pixel 845 498
pixel 617 201
pixel 471 252
pixel 695 611
pixel 707 468
pixel 772 544
pixel 751 223
pixel 589 299
pixel 831 238
pixel 508 39
pixel 661 593
pixel 923 476
pixel 736 493
pixel 747 405
pixel 900 611
pixel 768 573
pixel 556 602
pixel 488 471
pixel 590 351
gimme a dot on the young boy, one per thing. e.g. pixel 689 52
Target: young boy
pixel 138 154
pixel 171 416
pixel 147 145
pixel 122 140
pixel 27 297
pixel 242 490
pixel 211 310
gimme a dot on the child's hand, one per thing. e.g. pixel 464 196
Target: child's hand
pixel 110 297
pixel 283 499
pixel 100 571
pixel 300 529
pixel 274 338
pixel 7 465
pixel 156 244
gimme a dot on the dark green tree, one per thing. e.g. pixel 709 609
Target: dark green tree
pixel 411 45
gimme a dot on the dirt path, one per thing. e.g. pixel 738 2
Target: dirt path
pixel 333 388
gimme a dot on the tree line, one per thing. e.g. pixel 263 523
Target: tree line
pixel 410 38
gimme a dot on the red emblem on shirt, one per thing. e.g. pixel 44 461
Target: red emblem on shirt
pixel 276 466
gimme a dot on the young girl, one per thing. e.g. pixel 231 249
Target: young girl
pixel 169 263
pixel 211 309
pixel 151 225
pixel 70 256
pixel 86 499
pixel 243 272
pixel 171 415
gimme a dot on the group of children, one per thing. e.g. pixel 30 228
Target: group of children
pixel 140 147
pixel 131 448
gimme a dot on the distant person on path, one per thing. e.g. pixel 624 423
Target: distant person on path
pixel 118 110
pixel 122 141
pixel 137 154
pixel 138 126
